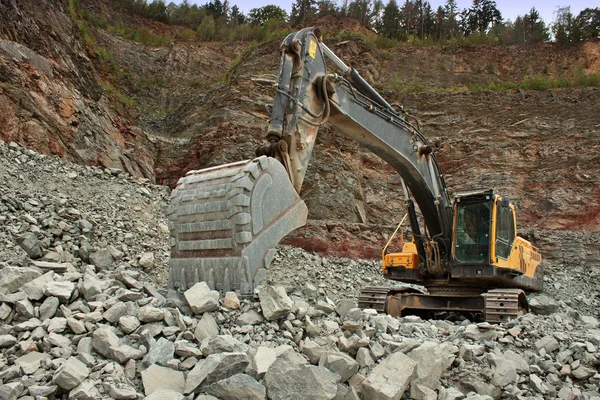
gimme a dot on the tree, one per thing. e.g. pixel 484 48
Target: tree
pixel 260 16
pixel 451 26
pixel 530 28
pixel 588 24
pixel 481 16
pixel 326 7
pixel 207 29
pixel 390 21
pixel 303 11
pixel 564 26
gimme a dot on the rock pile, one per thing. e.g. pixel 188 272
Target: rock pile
pixel 82 319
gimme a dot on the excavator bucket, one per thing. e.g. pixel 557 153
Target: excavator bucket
pixel 226 221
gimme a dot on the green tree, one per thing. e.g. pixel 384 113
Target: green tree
pixel 390 21
pixel 530 28
pixel 451 27
pixel 326 7
pixel 564 25
pixel 481 16
pixel 260 16
pixel 588 24
pixel 303 11
pixel 207 28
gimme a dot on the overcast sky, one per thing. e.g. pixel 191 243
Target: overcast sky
pixel 509 8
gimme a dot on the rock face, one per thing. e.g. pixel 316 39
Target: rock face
pixel 390 379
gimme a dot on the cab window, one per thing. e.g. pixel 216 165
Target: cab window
pixel 505 230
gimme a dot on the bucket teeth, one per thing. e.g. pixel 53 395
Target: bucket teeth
pixel 226 221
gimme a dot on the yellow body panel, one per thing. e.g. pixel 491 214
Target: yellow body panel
pixel 524 257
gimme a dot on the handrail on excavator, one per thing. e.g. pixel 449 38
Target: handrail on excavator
pixel 393 236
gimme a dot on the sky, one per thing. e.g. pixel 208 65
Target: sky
pixel 509 8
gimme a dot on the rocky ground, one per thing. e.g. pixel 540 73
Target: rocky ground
pixel 84 314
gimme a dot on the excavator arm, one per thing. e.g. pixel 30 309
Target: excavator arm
pixel 226 221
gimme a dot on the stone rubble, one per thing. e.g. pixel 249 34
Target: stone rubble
pixel 84 315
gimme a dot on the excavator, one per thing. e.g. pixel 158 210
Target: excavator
pixel 225 222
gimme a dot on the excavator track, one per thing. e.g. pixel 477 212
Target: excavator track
pixel 502 305
pixel 496 306
pixel 226 221
pixel 374 297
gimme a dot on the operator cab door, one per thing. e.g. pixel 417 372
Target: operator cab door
pixel 505 229
pixel 472 230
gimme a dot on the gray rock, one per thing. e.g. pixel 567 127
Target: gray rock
pixel 128 324
pixel 114 313
pixel 62 290
pixel 102 260
pixel 583 372
pixel 432 361
pixel 7 341
pixel 504 371
pixel 344 306
pixel 480 334
pixel 121 392
pixel 287 379
pixel 48 308
pixel 340 363
pixel 390 379
pixel 85 391
pixel 327 306
pixel 70 374
pixel 264 357
pixel 474 384
pixel 41 391
pixel 543 305
pixel 58 325
pixel 11 391
pixel 251 317
pixel 207 328
pixel 12 278
pixel 35 289
pixel 238 386
pixel 215 368
pixel 150 314
pixel 91 287
pixel 32 246
pixel 223 344
pixel 231 301
pixel 536 383
pixel 183 348
pixel 201 298
pixel 364 358
pixel 146 260
pixel 520 363
pixel 104 340
pixel 548 343
pixel 124 353
pixel 30 362
pixel 161 352
pixel 275 302
pixel 156 377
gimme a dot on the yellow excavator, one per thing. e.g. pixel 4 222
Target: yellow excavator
pixel 226 221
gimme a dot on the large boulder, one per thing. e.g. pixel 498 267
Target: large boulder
pixel 504 371
pixel 156 377
pixel 289 379
pixel 201 298
pixel 215 368
pixel 432 361
pixel 275 302
pixel 239 386
pixel 12 278
pixel 543 305
pixel 339 363
pixel 70 374
pixel 207 328
pixel 30 243
pixel 390 379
